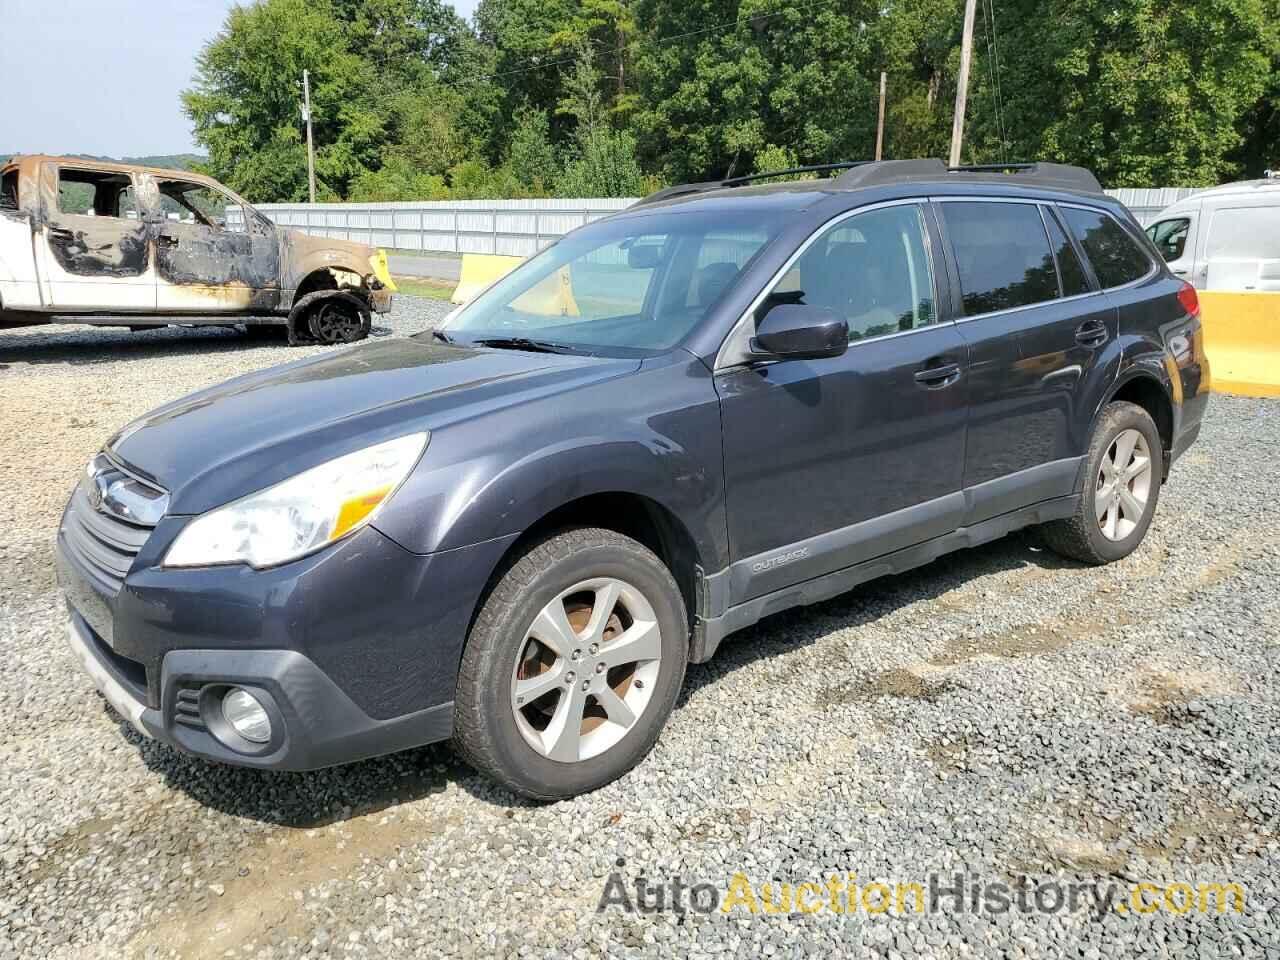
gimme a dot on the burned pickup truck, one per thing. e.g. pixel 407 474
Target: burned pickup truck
pixel 119 245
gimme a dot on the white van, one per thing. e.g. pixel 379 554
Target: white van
pixel 1224 238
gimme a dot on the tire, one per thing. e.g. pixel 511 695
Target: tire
pixel 1096 539
pixel 506 743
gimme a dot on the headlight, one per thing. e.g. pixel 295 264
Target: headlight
pixel 300 514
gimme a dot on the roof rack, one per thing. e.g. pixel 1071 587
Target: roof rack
pixel 1055 175
pixel 874 173
pixel 686 188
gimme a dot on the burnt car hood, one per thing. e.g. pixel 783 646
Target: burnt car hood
pixel 230 440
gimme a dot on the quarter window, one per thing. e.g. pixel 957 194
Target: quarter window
pixel 1115 256
pixel 1002 253
pixel 1170 237
pixel 872 269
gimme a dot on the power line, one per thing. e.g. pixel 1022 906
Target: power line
pixel 995 57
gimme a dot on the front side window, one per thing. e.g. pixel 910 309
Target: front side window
pixel 1115 256
pixel 1002 253
pixel 195 203
pixel 872 269
pixel 1170 237
pixel 627 287
pixel 96 193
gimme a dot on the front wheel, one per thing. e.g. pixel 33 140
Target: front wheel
pixel 572 666
pixel 1124 470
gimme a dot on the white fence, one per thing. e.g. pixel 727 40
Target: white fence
pixel 517 227
pixel 512 227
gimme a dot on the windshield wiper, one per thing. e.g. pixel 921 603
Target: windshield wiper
pixel 441 336
pixel 522 343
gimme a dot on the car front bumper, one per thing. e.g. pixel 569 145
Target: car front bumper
pixel 353 651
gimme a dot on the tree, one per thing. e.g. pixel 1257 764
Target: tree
pixel 533 160
pixel 1142 92
pixel 744 76
pixel 604 161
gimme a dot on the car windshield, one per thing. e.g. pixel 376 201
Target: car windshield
pixel 634 286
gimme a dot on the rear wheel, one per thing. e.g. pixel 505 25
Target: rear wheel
pixel 572 666
pixel 1124 470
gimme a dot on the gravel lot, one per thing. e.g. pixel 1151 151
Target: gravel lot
pixel 1000 713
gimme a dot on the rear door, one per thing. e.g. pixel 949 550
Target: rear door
pixel 94 247
pixel 1036 327
pixel 213 253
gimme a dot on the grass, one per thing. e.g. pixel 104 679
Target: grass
pixel 434 289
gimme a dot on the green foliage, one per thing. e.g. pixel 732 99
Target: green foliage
pixel 611 97
pixel 533 159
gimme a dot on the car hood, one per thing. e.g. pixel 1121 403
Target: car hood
pixel 230 440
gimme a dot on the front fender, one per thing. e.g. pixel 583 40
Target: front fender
pixel 653 434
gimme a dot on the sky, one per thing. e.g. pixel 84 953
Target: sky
pixel 103 76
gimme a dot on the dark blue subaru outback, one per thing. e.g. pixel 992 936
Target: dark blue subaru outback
pixel 517 530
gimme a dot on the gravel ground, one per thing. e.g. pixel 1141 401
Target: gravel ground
pixel 1000 714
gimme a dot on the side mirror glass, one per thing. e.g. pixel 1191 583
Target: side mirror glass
pixel 794 331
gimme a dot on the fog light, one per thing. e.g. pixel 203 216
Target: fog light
pixel 246 715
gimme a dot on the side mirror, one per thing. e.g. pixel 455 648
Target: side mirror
pixel 794 331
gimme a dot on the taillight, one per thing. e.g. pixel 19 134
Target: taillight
pixel 1189 299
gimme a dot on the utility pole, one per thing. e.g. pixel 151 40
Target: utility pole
pixel 962 83
pixel 880 122
pixel 311 150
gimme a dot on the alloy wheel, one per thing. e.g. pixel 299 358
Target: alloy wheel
pixel 1123 485
pixel 586 669
pixel 336 321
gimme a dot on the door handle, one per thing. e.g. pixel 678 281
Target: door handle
pixel 938 376
pixel 1179 271
pixel 1092 333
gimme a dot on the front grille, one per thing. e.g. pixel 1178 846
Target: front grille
pixel 104 544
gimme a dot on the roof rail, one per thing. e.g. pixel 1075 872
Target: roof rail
pixel 1057 175
pixel 687 188
pixel 874 173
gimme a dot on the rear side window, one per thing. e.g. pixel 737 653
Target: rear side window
pixel 9 190
pixel 1002 253
pixel 1115 256
pixel 1070 269
pixel 1245 233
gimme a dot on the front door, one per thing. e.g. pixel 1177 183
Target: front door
pixel 213 253
pixel 832 462
pixel 94 250
pixel 1175 238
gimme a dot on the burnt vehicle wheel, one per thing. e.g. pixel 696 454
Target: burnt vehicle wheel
pixel 338 320
pixel 1123 473
pixel 572 666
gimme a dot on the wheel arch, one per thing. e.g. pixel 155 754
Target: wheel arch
pixel 1144 389
pixel 631 514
